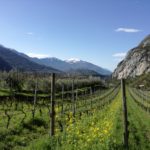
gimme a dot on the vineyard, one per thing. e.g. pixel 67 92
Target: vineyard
pixel 75 115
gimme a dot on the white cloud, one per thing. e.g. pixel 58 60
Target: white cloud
pixel 127 30
pixel 119 56
pixel 38 55
pixel 29 33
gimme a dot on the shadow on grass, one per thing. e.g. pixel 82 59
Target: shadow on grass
pixel 36 122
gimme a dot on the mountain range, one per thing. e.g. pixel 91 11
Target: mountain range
pixel 136 62
pixel 12 59
pixel 70 65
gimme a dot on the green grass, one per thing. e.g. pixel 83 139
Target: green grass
pixel 100 129
pixel 23 130
pixel 4 92
pixel 139 126
pixel 95 131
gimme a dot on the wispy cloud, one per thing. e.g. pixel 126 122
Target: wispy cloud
pixel 128 30
pixel 38 55
pixel 119 56
pixel 29 33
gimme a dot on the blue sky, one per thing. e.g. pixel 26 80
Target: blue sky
pixel 99 31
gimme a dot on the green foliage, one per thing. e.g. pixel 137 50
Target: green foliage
pixel 143 80
pixel 139 126
pixel 97 124
pixel 95 131
pixel 13 83
pixel 26 82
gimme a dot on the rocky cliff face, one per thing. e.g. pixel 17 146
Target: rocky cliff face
pixel 136 62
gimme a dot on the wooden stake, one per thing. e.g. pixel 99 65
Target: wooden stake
pixel 62 107
pixel 125 117
pixel 35 99
pixel 52 110
pixel 73 99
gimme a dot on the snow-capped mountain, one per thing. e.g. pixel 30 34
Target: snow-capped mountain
pixel 72 60
pixel 22 61
pixel 71 64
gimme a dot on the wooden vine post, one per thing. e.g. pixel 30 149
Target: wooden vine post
pixel 76 94
pixel 125 114
pixel 73 99
pixel 62 107
pixel 52 109
pixel 91 95
pixel 35 98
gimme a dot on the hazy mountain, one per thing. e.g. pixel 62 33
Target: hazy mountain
pixel 136 62
pixel 53 62
pixel 15 60
pixel 71 64
pixel 80 64
pixel 4 66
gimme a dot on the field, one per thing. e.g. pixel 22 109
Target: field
pixel 82 119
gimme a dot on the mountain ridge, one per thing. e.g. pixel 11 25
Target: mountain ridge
pixel 65 65
pixel 16 61
pixel 21 61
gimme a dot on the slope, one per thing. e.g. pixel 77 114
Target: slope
pixel 137 61
pixel 19 62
